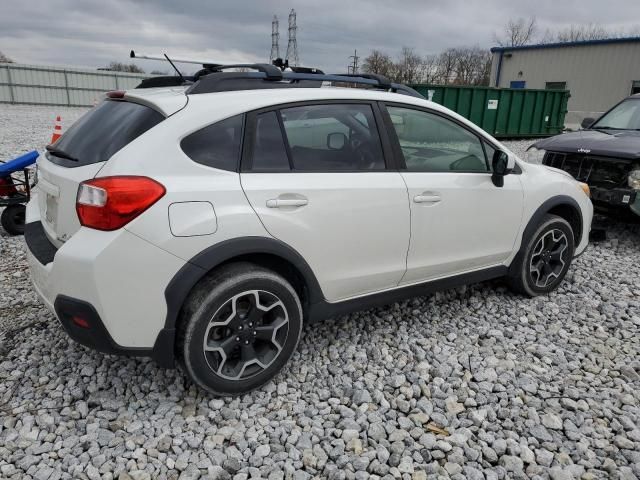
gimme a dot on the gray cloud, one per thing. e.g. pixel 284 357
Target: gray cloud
pixel 94 32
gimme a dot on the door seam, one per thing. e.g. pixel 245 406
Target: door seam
pixel 406 258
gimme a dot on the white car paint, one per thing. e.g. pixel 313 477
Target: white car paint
pixel 358 231
pixel 353 231
pixel 469 223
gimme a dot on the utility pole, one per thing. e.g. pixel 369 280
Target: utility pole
pixel 275 40
pixel 292 46
pixel 353 68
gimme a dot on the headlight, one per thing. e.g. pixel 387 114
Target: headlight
pixel 534 155
pixel 634 179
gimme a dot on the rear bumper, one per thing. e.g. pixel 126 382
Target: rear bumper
pixel 91 277
pixel 83 324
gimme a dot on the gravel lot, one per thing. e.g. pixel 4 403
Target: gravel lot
pixel 470 383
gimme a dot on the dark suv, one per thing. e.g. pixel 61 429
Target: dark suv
pixel 605 155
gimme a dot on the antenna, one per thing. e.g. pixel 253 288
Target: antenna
pixel 292 46
pixel 173 65
pixel 275 39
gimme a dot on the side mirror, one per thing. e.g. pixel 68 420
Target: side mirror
pixel 500 167
pixel 336 141
pixel 587 122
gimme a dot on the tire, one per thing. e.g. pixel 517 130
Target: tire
pixel 545 256
pixel 245 349
pixel 12 219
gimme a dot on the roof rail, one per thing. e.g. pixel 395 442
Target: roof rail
pixel 266 78
pixel 213 78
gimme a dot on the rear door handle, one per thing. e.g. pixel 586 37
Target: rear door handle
pixel 427 197
pixel 286 202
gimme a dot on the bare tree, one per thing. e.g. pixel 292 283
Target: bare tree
pixel 517 32
pixel 410 67
pixel 4 58
pixel 124 67
pixel 590 31
pixel 431 72
pixel 379 63
pixel 447 65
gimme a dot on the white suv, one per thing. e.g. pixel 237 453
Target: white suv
pixel 207 223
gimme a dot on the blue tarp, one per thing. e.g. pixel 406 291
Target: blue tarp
pixel 19 163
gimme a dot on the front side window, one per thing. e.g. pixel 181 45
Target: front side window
pixel 217 145
pixel 326 138
pixel 431 143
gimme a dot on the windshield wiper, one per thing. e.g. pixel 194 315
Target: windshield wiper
pixel 60 153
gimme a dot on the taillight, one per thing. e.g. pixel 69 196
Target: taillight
pixel 109 203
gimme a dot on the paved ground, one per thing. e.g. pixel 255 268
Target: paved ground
pixel 470 383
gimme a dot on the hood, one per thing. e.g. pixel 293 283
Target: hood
pixel 608 143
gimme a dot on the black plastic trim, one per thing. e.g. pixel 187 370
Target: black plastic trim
pixel 543 209
pixel 38 243
pixel 188 276
pixel 97 337
pixel 324 309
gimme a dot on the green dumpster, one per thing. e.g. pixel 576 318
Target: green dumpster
pixel 504 112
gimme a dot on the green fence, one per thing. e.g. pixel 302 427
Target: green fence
pixel 504 112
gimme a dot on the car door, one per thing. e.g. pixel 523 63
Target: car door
pixel 460 221
pixel 316 176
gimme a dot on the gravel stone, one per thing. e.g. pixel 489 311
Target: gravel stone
pixel 551 421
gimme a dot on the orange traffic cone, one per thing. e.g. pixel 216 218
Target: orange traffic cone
pixel 57 130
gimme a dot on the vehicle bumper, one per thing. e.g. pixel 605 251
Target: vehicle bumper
pixel 102 299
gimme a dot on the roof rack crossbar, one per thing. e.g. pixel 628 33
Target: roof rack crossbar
pixel 271 72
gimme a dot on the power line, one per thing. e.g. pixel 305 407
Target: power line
pixel 292 46
pixel 353 67
pixel 275 39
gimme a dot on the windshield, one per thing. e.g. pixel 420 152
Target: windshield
pixel 101 132
pixel 624 116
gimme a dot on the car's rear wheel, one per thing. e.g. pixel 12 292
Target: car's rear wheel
pixel 12 219
pixel 238 329
pixel 544 260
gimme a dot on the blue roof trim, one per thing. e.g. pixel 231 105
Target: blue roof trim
pixel 567 44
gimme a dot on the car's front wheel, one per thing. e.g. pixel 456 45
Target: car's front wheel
pixel 238 329
pixel 544 260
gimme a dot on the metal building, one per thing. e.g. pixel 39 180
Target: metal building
pixel 50 85
pixel 599 73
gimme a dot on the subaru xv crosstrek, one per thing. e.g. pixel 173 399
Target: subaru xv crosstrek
pixel 207 223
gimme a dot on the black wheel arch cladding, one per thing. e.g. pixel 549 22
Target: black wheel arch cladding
pixel 199 266
pixel 548 207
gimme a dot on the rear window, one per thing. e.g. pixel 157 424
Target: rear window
pixel 102 132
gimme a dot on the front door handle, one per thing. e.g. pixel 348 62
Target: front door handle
pixel 427 197
pixel 286 202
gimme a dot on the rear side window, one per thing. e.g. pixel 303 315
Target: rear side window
pixel 329 138
pixel 217 145
pixel 102 132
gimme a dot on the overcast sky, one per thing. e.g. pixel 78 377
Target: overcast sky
pixel 95 32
